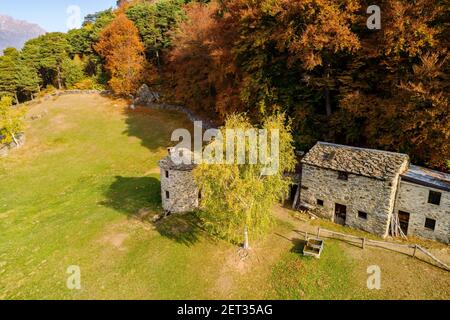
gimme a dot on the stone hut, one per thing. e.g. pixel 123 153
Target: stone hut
pixel 423 204
pixel 351 186
pixel 178 189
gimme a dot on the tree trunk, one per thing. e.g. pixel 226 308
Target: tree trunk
pixel 15 96
pixel 59 78
pixel 15 140
pixel 246 241
pixel 328 101
pixel 158 61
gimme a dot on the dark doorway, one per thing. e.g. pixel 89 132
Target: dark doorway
pixel 340 214
pixel 294 190
pixel 293 198
pixel 403 218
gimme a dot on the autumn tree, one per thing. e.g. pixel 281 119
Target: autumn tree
pixel 398 93
pixel 236 198
pixel 123 52
pixel 200 65
pixel 290 48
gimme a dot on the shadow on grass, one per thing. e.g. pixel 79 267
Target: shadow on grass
pixel 140 198
pixel 298 244
pixel 154 127
pixel 128 195
pixel 184 229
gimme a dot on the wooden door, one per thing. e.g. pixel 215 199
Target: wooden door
pixel 340 214
pixel 403 218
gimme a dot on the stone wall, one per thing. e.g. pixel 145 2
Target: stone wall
pixel 147 98
pixel 183 192
pixel 5 148
pixel 373 196
pixel 413 198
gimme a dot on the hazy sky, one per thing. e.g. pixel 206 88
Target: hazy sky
pixel 51 14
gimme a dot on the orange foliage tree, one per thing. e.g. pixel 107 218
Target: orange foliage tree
pixel 122 49
pixel 200 65
pixel 317 61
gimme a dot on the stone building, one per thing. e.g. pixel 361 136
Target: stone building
pixel 360 188
pixel 352 186
pixel 423 204
pixel 366 189
pixel 178 189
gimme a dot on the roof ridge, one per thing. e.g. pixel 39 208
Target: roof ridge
pixel 372 163
pixel 361 148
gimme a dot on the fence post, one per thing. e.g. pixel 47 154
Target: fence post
pixel 363 243
pixel 318 232
pixel 415 250
pixel 306 236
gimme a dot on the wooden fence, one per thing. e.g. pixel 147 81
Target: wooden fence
pixel 413 250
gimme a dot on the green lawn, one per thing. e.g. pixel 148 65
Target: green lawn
pixel 70 196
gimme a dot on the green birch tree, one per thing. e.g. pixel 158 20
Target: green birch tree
pixel 237 199
pixel 11 121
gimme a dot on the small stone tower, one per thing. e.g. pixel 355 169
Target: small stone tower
pixel 178 189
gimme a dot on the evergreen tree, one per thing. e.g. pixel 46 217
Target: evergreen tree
pixel 8 73
pixel 154 21
pixel 47 54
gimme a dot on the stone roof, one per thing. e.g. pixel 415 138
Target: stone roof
pixel 371 163
pixel 168 162
pixel 427 177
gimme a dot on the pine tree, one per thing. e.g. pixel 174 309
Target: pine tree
pixel 47 53
pixel 8 73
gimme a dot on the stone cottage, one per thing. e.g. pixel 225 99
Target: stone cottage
pixel 366 189
pixel 352 186
pixel 178 189
pixel 423 203
pixel 356 187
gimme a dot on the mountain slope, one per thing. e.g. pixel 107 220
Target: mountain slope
pixel 14 33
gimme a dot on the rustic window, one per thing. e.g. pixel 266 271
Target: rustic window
pixel 434 197
pixel 362 215
pixel 343 176
pixel 167 195
pixel 320 202
pixel 430 224
pixel 167 174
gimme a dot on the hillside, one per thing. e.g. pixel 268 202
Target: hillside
pixel 14 33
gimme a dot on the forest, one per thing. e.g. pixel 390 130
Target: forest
pixel 315 60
